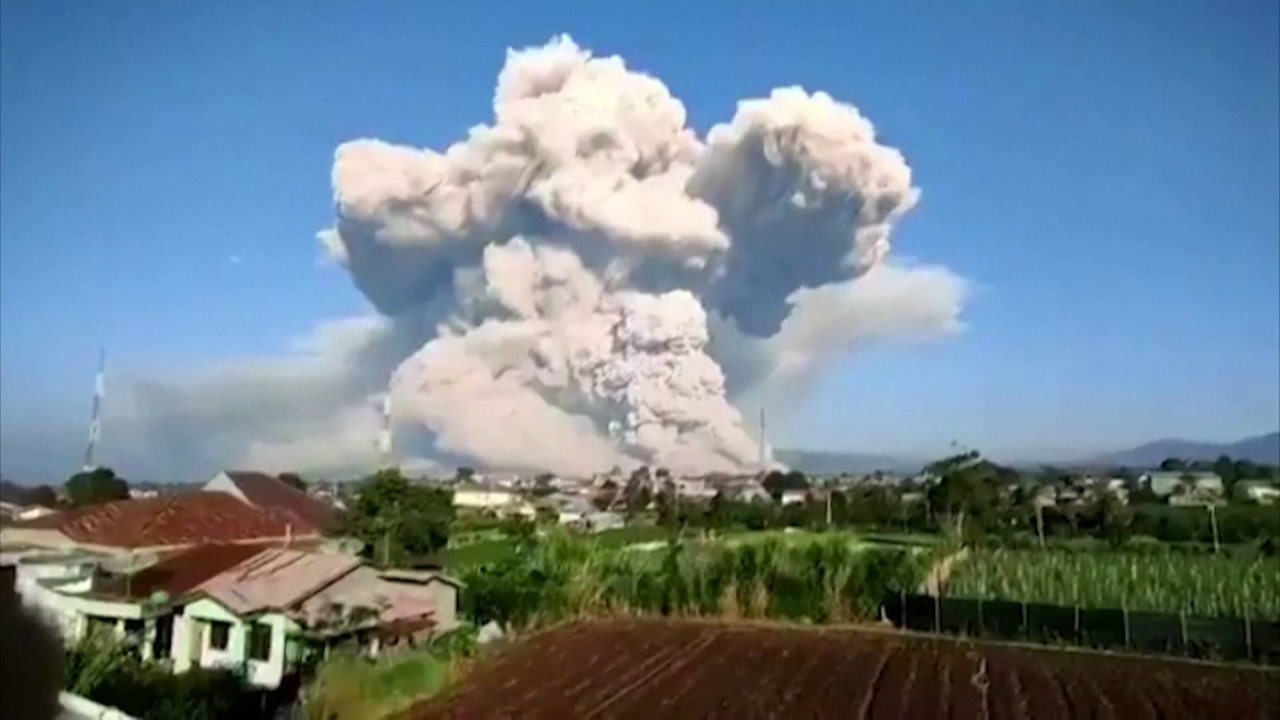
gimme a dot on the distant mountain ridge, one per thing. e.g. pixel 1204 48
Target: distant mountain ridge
pixel 817 462
pixel 1259 449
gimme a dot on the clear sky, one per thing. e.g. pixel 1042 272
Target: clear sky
pixel 1107 174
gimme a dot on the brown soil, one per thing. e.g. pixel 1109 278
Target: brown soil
pixel 678 669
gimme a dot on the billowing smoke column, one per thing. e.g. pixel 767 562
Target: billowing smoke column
pixel 571 255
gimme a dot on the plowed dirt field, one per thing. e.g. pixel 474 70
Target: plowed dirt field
pixel 678 669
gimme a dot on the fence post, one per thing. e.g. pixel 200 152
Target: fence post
pixel 1076 629
pixel 1182 620
pixel 902 598
pixel 1124 609
pixel 982 626
pixel 937 614
pixel 1025 630
pixel 1248 635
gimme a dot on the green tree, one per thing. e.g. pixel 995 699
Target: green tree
pixel 398 520
pixel 965 495
pixel 1173 464
pixel 42 495
pixel 96 486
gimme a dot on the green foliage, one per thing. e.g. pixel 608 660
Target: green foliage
pixel 351 687
pixel 96 486
pixel 1161 581
pixel 821 580
pixel 398 520
pixel 107 671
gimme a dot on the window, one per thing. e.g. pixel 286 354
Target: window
pixel 219 633
pixel 259 641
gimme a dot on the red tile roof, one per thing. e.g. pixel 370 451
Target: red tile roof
pixel 266 491
pixel 186 519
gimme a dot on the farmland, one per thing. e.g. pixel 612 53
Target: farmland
pixel 655 668
pixel 1199 584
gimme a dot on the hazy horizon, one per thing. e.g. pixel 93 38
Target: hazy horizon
pixel 1044 233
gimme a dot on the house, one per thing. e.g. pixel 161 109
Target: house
pixel 283 607
pixel 480 497
pixel 164 523
pixel 77 592
pixel 1164 483
pixel 1257 491
pixel 600 521
pixel 270 493
pixel 694 489
pixel 794 496
pixel 747 491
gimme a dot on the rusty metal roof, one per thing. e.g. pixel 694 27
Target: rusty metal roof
pixel 276 579
pixel 266 491
pixel 185 519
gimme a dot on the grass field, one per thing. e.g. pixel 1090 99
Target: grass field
pixel 1208 585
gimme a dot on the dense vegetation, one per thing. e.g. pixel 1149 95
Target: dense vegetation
pixel 828 579
pixel 352 687
pixel 106 671
pixel 398 520
pixel 1225 585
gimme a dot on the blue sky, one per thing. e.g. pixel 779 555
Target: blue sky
pixel 1108 175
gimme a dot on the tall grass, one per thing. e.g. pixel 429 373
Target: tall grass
pixel 1207 585
pixel 353 687
pixel 830 579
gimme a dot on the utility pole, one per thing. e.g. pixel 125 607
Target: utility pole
pixel 95 419
pixel 1213 521
pixel 386 447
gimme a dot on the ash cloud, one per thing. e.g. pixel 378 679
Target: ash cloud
pixel 584 282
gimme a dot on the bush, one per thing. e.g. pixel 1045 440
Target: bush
pixel 107 671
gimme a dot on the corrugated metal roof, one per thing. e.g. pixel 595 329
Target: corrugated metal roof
pixel 366 588
pixel 276 579
pixel 186 519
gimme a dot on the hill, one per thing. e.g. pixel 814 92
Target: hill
pixel 814 462
pixel 1260 449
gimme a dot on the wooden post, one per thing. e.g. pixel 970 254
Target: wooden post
pixel 1125 610
pixel 937 614
pixel 1182 620
pixel 1248 635
pixel 1024 620
pixel 1077 624
pixel 1213 520
pixel 902 597
pixel 982 625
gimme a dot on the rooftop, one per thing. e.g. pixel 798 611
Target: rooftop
pixel 277 578
pixel 186 519
pixel 266 491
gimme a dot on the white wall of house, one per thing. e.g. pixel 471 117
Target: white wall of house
pixel 192 642
pixel 482 499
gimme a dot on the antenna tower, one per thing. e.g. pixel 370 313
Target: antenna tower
pixel 95 420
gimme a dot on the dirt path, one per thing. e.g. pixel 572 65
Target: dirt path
pixel 941 571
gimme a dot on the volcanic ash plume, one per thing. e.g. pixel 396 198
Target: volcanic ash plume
pixel 577 248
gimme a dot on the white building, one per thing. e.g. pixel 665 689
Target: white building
pixel 280 607
pixel 1257 491
pixel 478 497
pixel 261 608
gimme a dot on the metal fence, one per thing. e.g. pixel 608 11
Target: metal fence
pixel 1158 633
